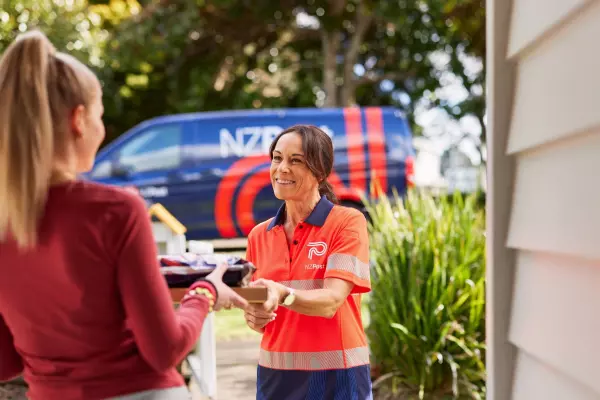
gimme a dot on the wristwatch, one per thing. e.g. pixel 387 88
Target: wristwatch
pixel 288 300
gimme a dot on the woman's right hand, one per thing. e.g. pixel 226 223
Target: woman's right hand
pixel 259 315
pixel 257 318
pixel 226 297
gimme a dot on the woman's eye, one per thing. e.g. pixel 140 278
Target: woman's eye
pixel 296 161
pixel 277 158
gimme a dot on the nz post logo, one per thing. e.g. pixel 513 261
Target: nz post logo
pixel 316 249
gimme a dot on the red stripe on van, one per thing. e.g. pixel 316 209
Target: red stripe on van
pixel 247 194
pixel 342 191
pixel 356 154
pixel 226 190
pixel 376 143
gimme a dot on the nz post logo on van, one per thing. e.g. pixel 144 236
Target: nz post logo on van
pixel 252 140
pixel 316 250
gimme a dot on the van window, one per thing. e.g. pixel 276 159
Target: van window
pixel 102 170
pixel 157 148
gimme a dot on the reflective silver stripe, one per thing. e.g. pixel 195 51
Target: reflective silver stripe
pixel 314 361
pixel 348 263
pixel 357 356
pixel 306 284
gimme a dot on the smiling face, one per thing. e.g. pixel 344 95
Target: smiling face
pixel 290 176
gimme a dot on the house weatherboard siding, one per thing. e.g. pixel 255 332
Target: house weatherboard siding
pixel 543 300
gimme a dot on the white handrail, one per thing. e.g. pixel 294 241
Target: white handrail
pixel 203 360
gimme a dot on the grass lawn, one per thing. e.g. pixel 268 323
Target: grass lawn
pixel 230 324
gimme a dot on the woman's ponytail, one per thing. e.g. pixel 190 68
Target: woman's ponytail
pixel 326 189
pixel 26 136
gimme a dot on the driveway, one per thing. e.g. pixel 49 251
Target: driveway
pixel 236 370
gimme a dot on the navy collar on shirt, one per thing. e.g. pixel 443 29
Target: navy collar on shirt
pixel 317 217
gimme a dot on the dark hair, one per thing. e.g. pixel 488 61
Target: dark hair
pixel 318 153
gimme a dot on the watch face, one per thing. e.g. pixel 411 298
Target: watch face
pixel 289 299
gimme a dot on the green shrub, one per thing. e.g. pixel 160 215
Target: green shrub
pixel 427 305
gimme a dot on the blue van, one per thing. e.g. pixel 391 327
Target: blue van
pixel 211 169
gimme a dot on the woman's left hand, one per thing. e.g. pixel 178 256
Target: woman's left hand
pixel 226 297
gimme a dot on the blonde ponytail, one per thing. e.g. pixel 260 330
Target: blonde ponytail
pixel 32 114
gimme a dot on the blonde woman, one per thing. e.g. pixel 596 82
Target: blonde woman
pixel 84 310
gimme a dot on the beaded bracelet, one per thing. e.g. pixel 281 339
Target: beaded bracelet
pixel 203 292
pixel 206 281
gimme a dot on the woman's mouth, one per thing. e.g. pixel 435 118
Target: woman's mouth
pixel 284 181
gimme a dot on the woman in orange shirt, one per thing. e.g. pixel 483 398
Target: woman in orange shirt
pixel 314 258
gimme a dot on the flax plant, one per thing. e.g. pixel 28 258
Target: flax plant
pixel 426 308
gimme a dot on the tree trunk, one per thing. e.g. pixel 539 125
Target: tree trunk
pixel 364 18
pixel 331 41
pixel 331 45
pixel 349 89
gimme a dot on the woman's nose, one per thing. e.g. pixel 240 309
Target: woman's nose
pixel 284 166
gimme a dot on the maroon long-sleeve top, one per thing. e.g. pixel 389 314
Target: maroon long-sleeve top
pixel 87 314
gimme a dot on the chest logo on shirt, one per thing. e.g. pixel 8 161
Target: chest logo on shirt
pixel 316 249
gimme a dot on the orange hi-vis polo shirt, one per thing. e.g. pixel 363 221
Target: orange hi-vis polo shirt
pixel 332 242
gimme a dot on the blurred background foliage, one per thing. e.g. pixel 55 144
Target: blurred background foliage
pixel 163 56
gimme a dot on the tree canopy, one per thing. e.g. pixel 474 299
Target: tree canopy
pixel 159 57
